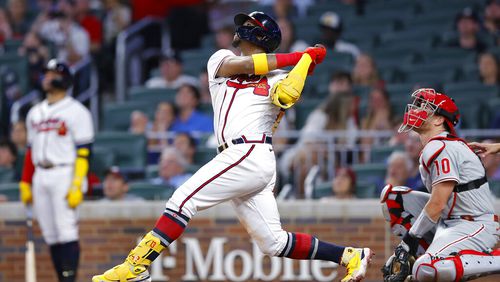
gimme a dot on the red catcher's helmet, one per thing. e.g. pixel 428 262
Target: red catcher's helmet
pixel 426 103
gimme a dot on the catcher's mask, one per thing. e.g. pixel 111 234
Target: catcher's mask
pixel 426 103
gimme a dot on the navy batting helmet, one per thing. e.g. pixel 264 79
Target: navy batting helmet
pixel 266 32
pixel 66 79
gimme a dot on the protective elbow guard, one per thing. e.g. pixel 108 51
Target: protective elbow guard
pixel 287 92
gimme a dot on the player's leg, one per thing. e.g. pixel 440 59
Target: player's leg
pixel 259 214
pixel 44 212
pixel 401 206
pixel 237 171
pixel 67 252
pixel 460 250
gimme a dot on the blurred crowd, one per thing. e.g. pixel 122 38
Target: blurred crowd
pixel 73 29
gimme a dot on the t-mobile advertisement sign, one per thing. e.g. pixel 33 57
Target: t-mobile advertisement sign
pixel 217 265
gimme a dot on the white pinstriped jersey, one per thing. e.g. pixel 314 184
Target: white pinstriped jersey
pixel 445 159
pixel 242 104
pixel 55 130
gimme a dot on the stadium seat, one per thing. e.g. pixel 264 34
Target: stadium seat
pixel 495 187
pixel 7 175
pixel 471 89
pixel 101 159
pixel 204 154
pixel 129 149
pixel 302 111
pixel 18 166
pixel 150 191
pixel 371 172
pixel 11 46
pixel 379 154
pixel 322 190
pixel 151 171
pixel 10 190
pixel 151 95
pixel 366 190
pixel 17 64
pixel 116 117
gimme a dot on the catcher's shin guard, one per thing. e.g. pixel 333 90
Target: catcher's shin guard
pixel 466 265
pixel 135 267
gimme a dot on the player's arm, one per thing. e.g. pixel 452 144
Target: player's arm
pixel 485 148
pixel 26 178
pixel 75 195
pixel 261 63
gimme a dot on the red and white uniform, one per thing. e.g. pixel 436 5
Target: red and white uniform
pixel 54 132
pixel 243 173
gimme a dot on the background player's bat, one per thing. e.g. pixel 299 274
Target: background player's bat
pixel 30 268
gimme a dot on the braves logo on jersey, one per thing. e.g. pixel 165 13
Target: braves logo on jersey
pixel 52 124
pixel 259 83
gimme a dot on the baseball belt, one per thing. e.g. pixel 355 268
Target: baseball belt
pixel 242 140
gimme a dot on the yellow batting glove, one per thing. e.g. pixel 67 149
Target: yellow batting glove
pixel 25 192
pixel 75 195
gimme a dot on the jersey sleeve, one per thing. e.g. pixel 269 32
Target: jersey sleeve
pixel 82 128
pixel 214 64
pixel 440 163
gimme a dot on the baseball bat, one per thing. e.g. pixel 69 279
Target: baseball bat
pixel 30 267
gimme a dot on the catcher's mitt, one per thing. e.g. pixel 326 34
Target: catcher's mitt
pixel 398 267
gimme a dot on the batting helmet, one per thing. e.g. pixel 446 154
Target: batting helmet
pixel 426 103
pixel 266 32
pixel 66 79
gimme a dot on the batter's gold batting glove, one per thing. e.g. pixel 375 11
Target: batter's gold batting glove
pixel 25 192
pixel 75 195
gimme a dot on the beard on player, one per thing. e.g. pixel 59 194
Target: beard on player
pixel 236 41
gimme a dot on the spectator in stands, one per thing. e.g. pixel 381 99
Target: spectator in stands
pixel 289 42
pixel 164 118
pixel 139 123
pixel 37 55
pixel 186 145
pixel 489 69
pixel 189 118
pixel 59 27
pixel 172 168
pixel 468 27
pixel 284 9
pixel 90 23
pixel 118 17
pixel 413 147
pixel 365 72
pixel 17 14
pixel 3 198
pixel 171 74
pixel 331 32
pixel 344 184
pixel 5 28
pixel 19 135
pixel 8 154
pixel 378 114
pixel 224 38
pixel 336 113
pixel 399 166
pixel 204 87
pixel 492 19
pixel 115 187
pixel 340 82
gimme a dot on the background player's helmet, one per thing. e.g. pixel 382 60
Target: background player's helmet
pixel 266 33
pixel 426 103
pixel 66 79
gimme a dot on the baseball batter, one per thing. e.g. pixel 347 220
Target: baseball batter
pixel 60 133
pixel 454 226
pixel 248 95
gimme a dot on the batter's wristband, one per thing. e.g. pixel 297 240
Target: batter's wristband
pixel 260 64
pixel 288 59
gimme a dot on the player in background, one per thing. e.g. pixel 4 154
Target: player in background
pixel 248 94
pixel 60 132
pixel 454 226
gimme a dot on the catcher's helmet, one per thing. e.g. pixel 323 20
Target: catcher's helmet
pixel 66 79
pixel 426 103
pixel 266 33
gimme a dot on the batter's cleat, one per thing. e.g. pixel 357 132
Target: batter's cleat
pixel 356 261
pixel 135 267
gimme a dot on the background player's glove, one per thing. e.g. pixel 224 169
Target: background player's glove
pixel 317 53
pixel 25 192
pixel 398 267
pixel 75 195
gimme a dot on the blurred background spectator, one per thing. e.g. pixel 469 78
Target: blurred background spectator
pixel 343 185
pixel 115 187
pixel 139 123
pixel 340 82
pixel 488 69
pixel 289 40
pixel 365 71
pixel 90 23
pixel 5 28
pixel 37 54
pixel 468 27
pixel 172 169
pixel 171 75
pixel 165 115
pixel 492 19
pixel 331 32
pixel 186 145
pixel 189 118
pixel 399 166
pixel 17 13
pixel 19 135
pixel 8 154
pixel 224 38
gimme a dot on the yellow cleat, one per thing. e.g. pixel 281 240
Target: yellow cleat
pixel 355 263
pixel 135 267
pixel 124 272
